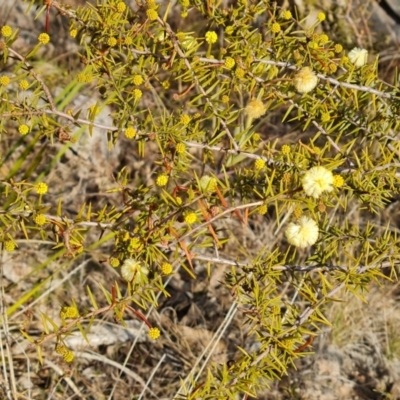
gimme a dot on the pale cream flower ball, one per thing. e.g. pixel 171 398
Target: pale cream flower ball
pixel 255 109
pixel 305 80
pixel 317 180
pixel 358 57
pixel 303 233
pixel 132 269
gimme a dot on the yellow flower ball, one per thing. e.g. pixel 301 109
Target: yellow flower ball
pixel 286 14
pixel 121 7
pixel 162 180
pixel 152 14
pixel 130 132
pixel 166 269
pixel 338 181
pixel 154 333
pixel 6 31
pixel 321 16
pixel 286 149
pixel 338 48
pixel 229 29
pixel 61 349
pixel 229 62
pixel 305 80
pixel 275 28
pixel 69 313
pixel 24 84
pixel 9 246
pixel 44 38
pixel 137 80
pixel 239 73
pixel 81 77
pixel 114 262
pixel 41 188
pixel 191 218
pixel 255 109
pixel 262 210
pixel 4 80
pixel 185 119
pixel 316 181
pixel 23 129
pixel 73 33
pixel 211 37
pixel 40 219
pixel 259 164
pixel 323 39
pixel 112 41
pixel 180 148
pixel 69 356
pixel 128 41
pixel 325 117
pixel 332 67
pixel 303 233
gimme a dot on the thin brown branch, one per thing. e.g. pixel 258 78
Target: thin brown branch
pixel 31 70
pixel 218 216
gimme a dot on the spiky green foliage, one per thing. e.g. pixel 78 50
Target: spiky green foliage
pixel 215 86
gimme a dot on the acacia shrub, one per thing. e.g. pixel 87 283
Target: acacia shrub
pixel 211 103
